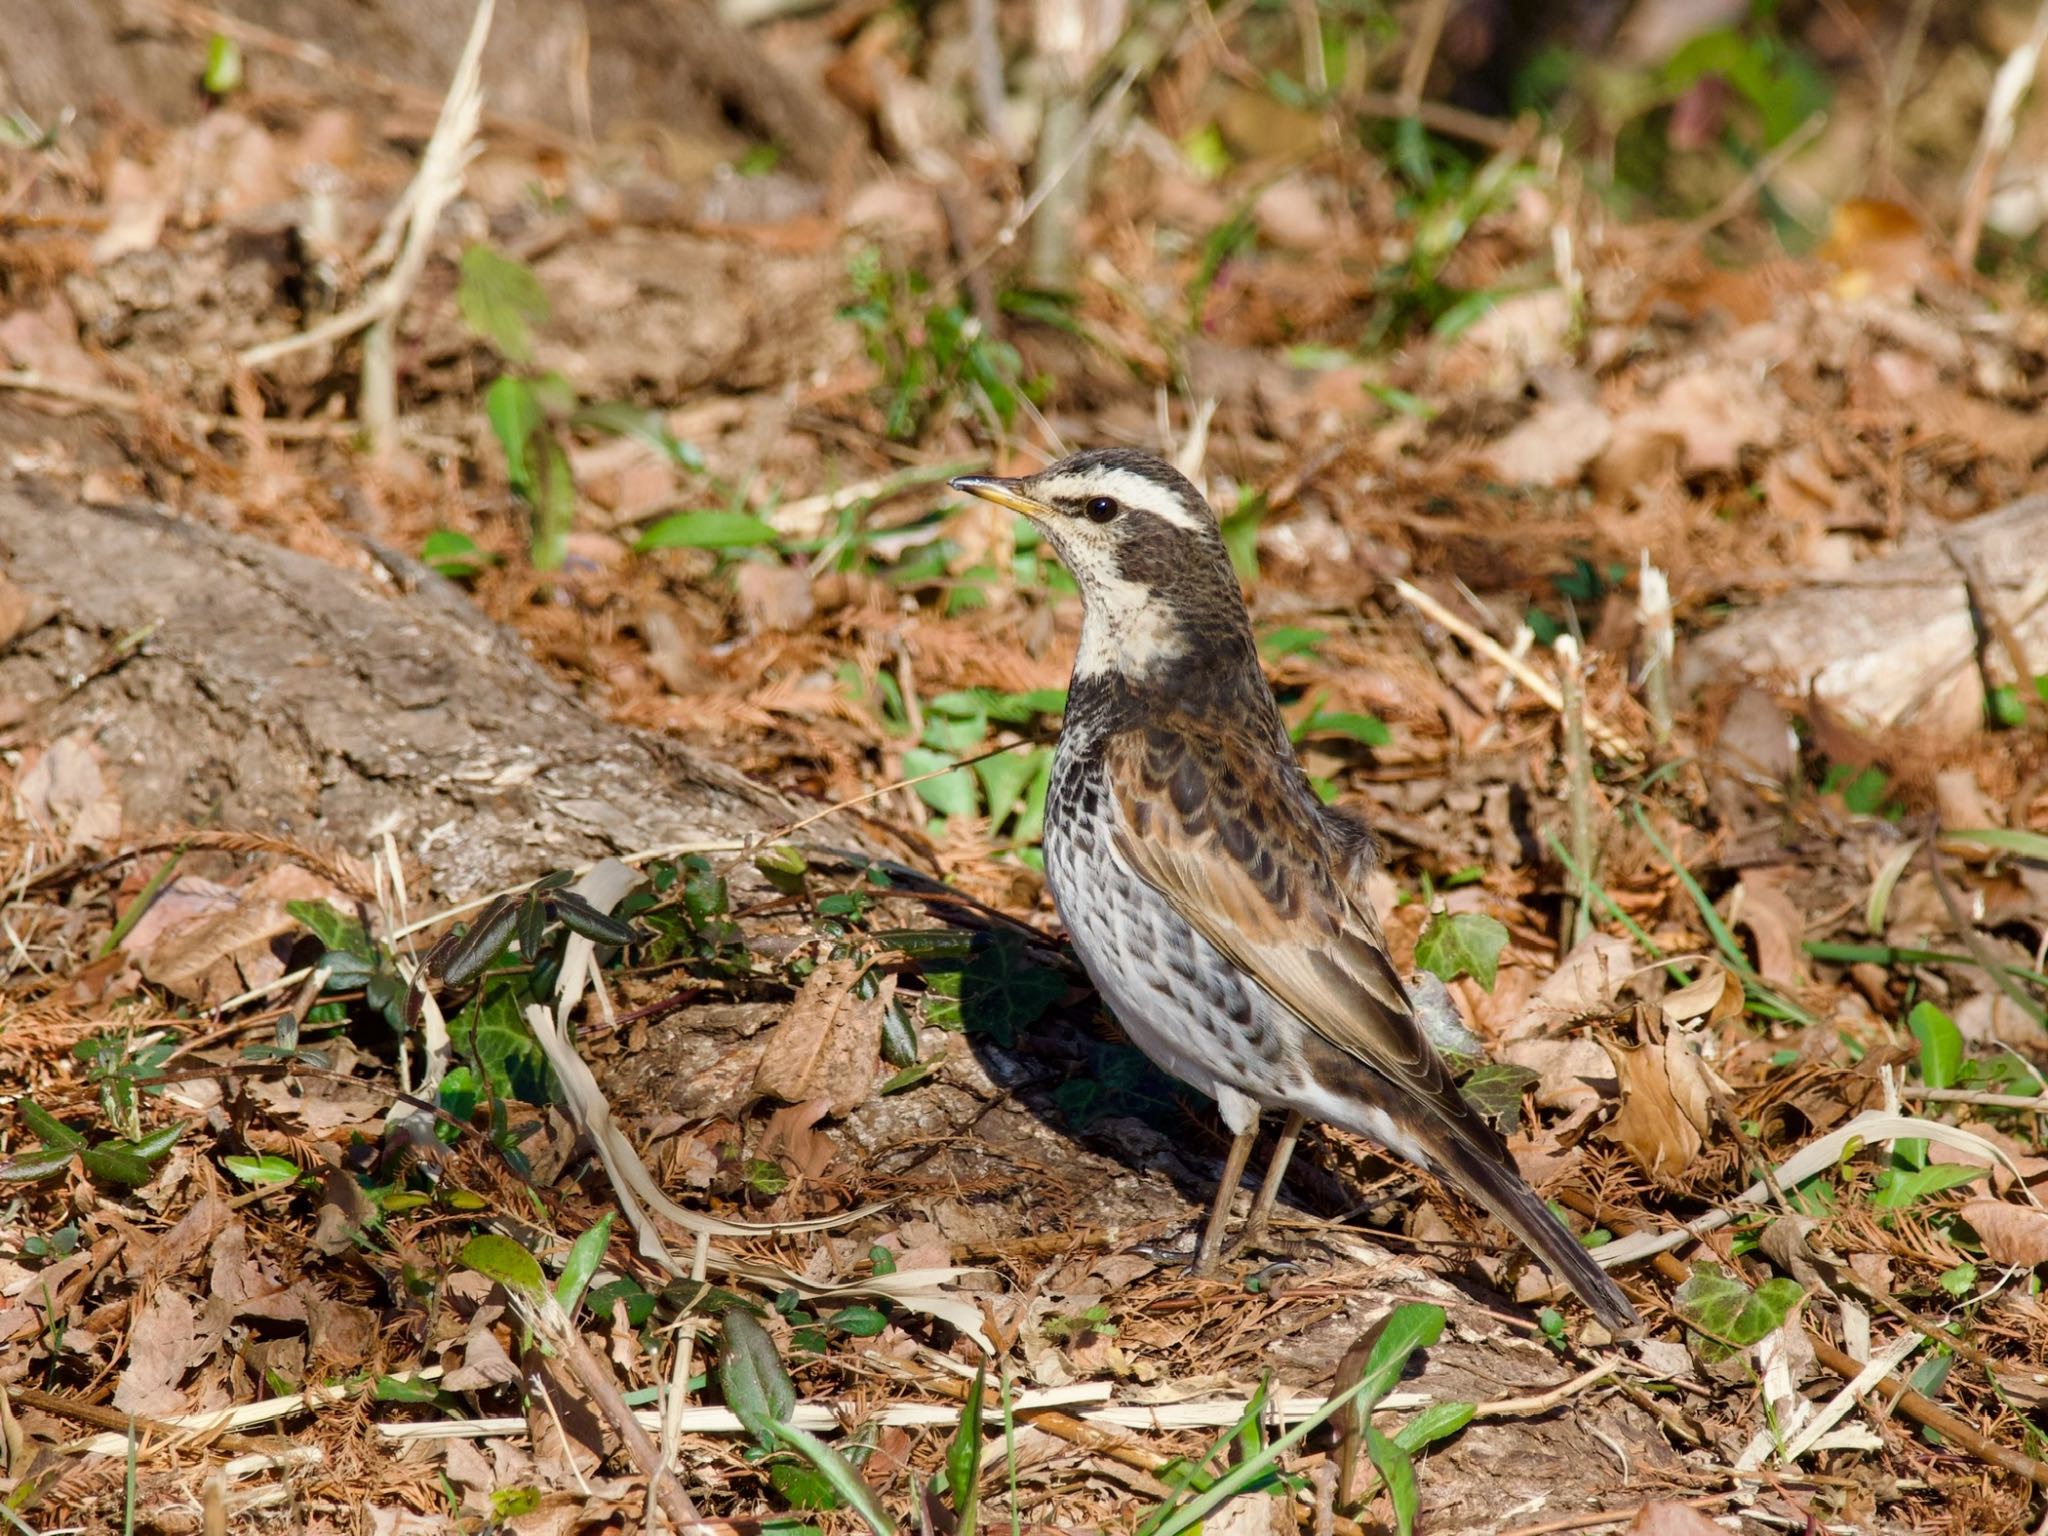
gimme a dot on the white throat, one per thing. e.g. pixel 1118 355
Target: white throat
pixel 1125 629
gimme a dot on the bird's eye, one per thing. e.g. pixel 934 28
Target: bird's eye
pixel 1101 509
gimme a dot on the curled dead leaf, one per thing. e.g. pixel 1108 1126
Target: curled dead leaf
pixel 828 1045
pixel 1586 982
pixel 1667 1102
pixel 1698 998
pixel 2012 1233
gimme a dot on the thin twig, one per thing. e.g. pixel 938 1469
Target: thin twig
pixel 1739 195
pixel 1659 647
pixel 2038 1103
pixel 1429 30
pixel 201 422
pixel 2008 88
pixel 1986 614
pixel 988 74
pixel 432 189
pixel 100 1416
pixel 1932 1416
pixel 1972 940
pixel 1609 739
pixel 1578 778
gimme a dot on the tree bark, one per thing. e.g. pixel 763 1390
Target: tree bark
pixel 222 675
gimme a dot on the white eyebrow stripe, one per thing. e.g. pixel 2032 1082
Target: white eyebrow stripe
pixel 1132 489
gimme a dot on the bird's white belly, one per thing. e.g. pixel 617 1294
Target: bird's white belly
pixel 1173 993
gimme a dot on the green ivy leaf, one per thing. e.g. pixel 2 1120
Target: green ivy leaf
pixel 802 1487
pixel 1003 991
pixel 405 1389
pixel 455 555
pixel 585 1254
pixel 1495 1089
pixel 1895 1189
pixel 963 1459
pixel 1941 1045
pixel 120 1164
pixel 1004 779
pixel 47 1128
pixel 1398 1472
pixel 859 1320
pixel 333 928
pixel 1291 641
pixel 1727 1314
pixel 223 74
pixel 1439 1421
pixel 642 423
pixel 1462 944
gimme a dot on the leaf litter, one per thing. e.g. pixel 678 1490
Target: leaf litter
pixel 908 1120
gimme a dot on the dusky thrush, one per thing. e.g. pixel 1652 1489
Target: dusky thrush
pixel 1218 905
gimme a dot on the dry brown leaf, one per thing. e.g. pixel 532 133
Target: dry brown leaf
pixel 2031 1165
pixel 1697 999
pixel 793 1132
pixel 484 1364
pixel 44 341
pixel 1776 923
pixel 1666 1103
pixel 827 1046
pixel 1554 446
pixel 226 951
pixel 2013 1234
pixel 160 1351
pixel 1716 412
pixel 774 597
pixel 1664 1517
pixel 66 793
pixel 1586 982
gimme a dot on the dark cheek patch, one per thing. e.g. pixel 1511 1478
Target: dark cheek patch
pixel 1151 552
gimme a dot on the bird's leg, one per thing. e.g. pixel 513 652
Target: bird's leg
pixel 1276 1173
pixel 1233 1170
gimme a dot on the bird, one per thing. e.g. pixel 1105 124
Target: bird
pixel 1217 904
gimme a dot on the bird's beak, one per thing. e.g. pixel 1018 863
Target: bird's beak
pixel 1003 493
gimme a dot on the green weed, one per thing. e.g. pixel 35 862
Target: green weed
pixel 530 414
pixel 935 359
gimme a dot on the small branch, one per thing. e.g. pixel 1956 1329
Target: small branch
pixel 1659 648
pixel 1740 194
pixel 1609 739
pixel 1429 31
pixel 988 74
pixel 1972 940
pixel 1931 1415
pixel 2038 1103
pixel 1578 769
pixel 2008 89
pixel 433 188
pixel 200 422
pixel 101 1417
pixel 1986 615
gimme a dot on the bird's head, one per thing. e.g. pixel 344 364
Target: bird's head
pixel 1143 545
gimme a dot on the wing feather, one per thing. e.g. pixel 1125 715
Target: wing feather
pixel 1233 837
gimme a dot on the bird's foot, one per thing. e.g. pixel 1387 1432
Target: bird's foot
pixel 1261 1240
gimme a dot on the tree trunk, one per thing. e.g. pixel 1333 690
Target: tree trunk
pixel 284 695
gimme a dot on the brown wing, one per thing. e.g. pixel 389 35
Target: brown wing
pixel 1234 838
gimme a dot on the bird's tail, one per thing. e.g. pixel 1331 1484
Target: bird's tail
pixel 1490 1178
